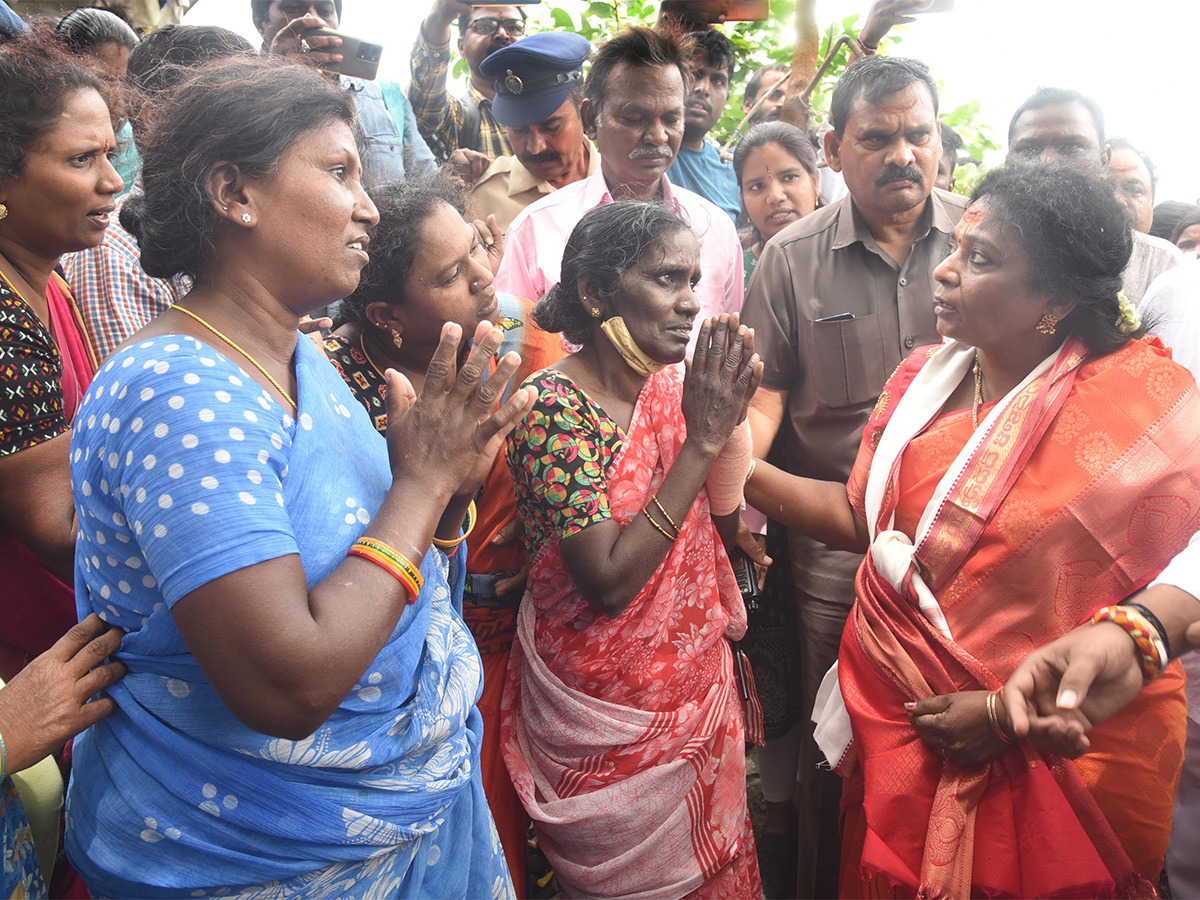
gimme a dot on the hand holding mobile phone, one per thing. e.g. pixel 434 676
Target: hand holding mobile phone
pixel 290 42
pixel 358 58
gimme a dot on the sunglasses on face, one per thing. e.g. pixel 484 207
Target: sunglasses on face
pixel 489 25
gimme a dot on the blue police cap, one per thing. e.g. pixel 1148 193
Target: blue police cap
pixel 534 75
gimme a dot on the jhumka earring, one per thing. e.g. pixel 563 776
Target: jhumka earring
pixel 1047 324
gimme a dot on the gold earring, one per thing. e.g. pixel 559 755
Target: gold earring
pixel 595 312
pixel 1047 324
pixel 396 339
pixel 3 211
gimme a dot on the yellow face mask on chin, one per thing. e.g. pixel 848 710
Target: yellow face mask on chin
pixel 615 330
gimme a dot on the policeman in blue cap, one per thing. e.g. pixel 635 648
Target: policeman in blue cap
pixel 539 86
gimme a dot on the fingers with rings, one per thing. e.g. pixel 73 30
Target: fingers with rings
pixel 304 46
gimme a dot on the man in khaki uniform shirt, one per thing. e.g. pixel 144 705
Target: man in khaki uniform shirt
pixel 837 301
pixel 539 88
pixel 507 187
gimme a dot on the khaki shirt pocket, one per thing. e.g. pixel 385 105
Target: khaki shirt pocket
pixel 847 363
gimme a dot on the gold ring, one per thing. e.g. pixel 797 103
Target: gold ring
pixel 304 47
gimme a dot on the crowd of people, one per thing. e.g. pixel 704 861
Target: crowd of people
pixel 388 477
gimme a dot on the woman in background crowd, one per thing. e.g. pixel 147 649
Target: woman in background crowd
pixel 623 721
pixel 1186 235
pixel 57 189
pixel 102 43
pixel 289 583
pixel 429 267
pixel 975 488
pixel 776 168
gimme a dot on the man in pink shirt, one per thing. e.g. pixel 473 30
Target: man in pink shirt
pixel 633 108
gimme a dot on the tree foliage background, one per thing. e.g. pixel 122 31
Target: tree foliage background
pixel 759 44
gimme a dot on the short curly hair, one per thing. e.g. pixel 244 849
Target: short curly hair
pixel 37 78
pixel 404 208
pixel 606 243
pixel 244 111
pixel 1076 238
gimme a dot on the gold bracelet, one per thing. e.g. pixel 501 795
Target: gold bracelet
pixel 661 530
pixel 472 517
pixel 666 514
pixel 993 714
pixel 750 471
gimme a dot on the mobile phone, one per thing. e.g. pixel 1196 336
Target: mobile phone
pixel 930 6
pixel 719 10
pixel 360 59
pixel 747 578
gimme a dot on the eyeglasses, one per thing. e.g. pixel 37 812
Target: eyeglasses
pixel 489 25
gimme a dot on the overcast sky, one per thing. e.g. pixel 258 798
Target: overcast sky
pixel 1135 56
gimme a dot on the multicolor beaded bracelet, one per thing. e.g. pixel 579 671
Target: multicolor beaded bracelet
pixel 391 561
pixel 1152 652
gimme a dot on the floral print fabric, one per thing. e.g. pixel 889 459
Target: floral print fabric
pixel 559 455
pixel 625 736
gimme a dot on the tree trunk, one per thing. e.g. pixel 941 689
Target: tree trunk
pixel 804 63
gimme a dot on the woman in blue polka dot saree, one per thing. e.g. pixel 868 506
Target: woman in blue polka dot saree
pixel 298 719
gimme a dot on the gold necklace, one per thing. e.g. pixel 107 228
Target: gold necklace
pixel 363 345
pixel 254 362
pixel 978 393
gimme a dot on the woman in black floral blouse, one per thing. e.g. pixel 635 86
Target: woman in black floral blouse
pixel 57 185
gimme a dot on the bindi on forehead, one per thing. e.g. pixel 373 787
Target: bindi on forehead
pixel 976 213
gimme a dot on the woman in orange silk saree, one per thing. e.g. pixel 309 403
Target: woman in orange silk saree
pixel 1042 462
pixel 1075 494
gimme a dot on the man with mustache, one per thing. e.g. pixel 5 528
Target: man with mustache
pixel 699 166
pixel 633 108
pixel 447 122
pixel 540 110
pixel 837 301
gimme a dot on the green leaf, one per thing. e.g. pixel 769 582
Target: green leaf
pixel 562 19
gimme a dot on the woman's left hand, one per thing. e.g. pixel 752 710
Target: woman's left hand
pixel 955 726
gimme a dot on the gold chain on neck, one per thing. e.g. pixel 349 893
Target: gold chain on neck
pixel 254 362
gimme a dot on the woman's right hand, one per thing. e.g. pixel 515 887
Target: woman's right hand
pixel 47 703
pixel 722 376
pixel 453 426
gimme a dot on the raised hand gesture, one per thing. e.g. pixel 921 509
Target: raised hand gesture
pixel 722 376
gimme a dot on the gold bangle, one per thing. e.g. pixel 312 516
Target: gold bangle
pixel 993 714
pixel 750 471
pixel 472 517
pixel 666 514
pixel 661 530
